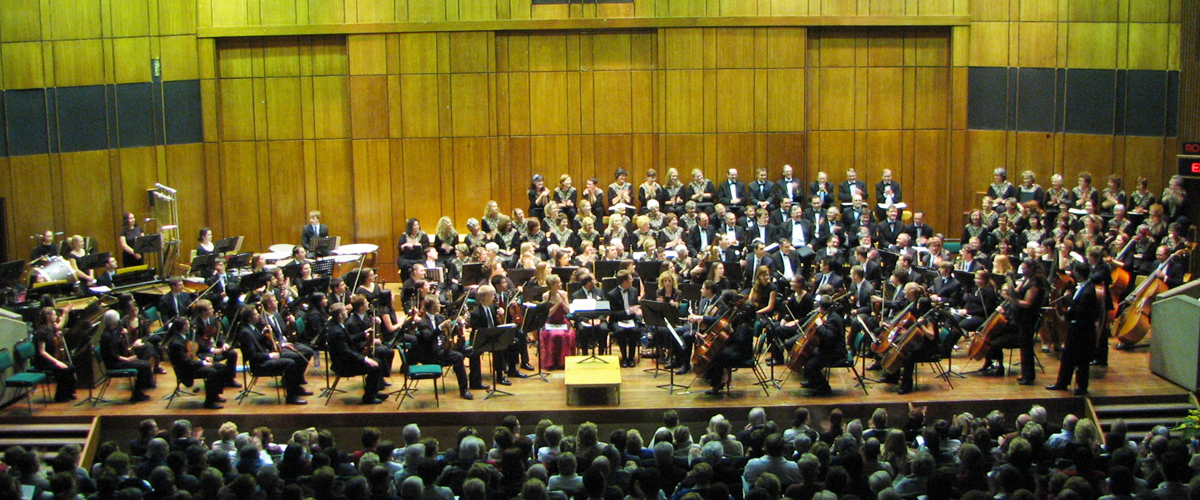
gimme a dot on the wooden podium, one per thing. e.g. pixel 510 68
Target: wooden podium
pixel 585 374
pixel 1175 337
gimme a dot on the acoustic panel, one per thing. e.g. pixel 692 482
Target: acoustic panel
pixel 182 112
pixel 135 115
pixel 27 122
pixel 81 118
pixel 987 96
pixel 1090 101
pixel 1035 99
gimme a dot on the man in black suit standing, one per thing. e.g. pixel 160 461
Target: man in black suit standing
pixel 314 229
pixel 887 191
pixel 789 187
pixel 852 186
pixel 1084 311
pixel 625 317
pixel 592 331
pixel 733 193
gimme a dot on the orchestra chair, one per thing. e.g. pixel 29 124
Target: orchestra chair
pixel 337 377
pixel 755 365
pixel 179 390
pixel 248 387
pixel 935 363
pixel 413 374
pixel 23 380
pixel 109 375
pixel 848 364
pixel 1036 359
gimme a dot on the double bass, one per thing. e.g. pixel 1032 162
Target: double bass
pixel 1133 322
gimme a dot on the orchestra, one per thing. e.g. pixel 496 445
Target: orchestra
pixel 810 268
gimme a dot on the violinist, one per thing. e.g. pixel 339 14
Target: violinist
pixel 831 349
pixel 891 307
pixel 1083 313
pixel 1024 312
pixel 144 344
pixel 625 317
pixel 484 316
pixel 339 291
pixel 314 321
pixel 415 288
pixel 259 350
pixel 175 302
pixel 593 332
pixel 509 298
pixel 346 352
pixel 117 354
pixel 52 355
pixel 211 342
pixel 283 326
pixel 189 366
pixel 392 324
pixel 433 344
pixel 862 321
pixel 361 324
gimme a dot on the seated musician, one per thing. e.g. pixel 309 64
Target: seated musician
pixel 117 354
pixel 925 345
pixel 706 313
pixel 283 325
pixel 346 353
pixel 415 288
pixel 175 302
pixel 105 278
pixel 830 351
pixel 77 252
pixel 212 342
pixel 260 351
pixel 313 230
pixel 368 286
pixel 979 304
pixel 218 281
pixel 738 348
pixel 189 366
pixel 44 248
pixel 862 318
pixel 144 344
pixel 593 331
pixel 360 322
pixel 827 276
pixel 557 338
pixel 52 355
pixel 946 288
pixel 1024 312
pixel 339 291
pixel 626 317
pixel 891 307
pixel 484 316
pixel 314 321
pixel 434 346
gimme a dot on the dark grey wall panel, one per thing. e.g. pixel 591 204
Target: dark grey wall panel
pixel 26 119
pixel 987 96
pixel 1146 103
pixel 82 118
pixel 1035 100
pixel 183 118
pixel 1090 101
pixel 135 119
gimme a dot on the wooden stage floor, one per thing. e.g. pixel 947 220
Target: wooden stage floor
pixel 1128 375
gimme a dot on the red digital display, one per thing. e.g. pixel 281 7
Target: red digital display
pixel 1189 166
pixel 1191 148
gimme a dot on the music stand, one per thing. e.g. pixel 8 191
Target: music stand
pixel 648 268
pixel 254 281
pixel 607 268
pixel 309 287
pixel 93 340
pixel 322 267
pixel 520 276
pixel 689 292
pixel 239 261
pixel 147 244
pixel 292 271
pixel 564 273
pixel 10 273
pixel 535 321
pixel 324 246
pixel 662 315
pixel 472 274
pixel 532 293
pixel 201 264
pixel 226 245
pixel 491 341
pixel 967 280
pixel 92 261
pixel 573 287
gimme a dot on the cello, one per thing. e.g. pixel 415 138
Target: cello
pixel 710 343
pixel 981 343
pixel 913 338
pixel 892 329
pixel 1133 322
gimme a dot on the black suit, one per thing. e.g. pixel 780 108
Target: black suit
pixel 831 349
pixel 111 344
pixel 188 370
pixel 356 327
pixel 738 234
pixel 862 308
pixel 921 230
pixel 309 233
pixel 762 191
pixel 793 260
pixel 173 304
pixel 781 190
pixel 753 263
pixel 889 230
pixel 881 186
pixel 1080 347
pixel 788 230
pixel 949 290
pixel 427 350
pixel 347 358
pixel 256 349
pixel 626 336
pixel 694 240
pixel 844 194
pixel 814 189
pixel 503 359
pixel 767 234
pixel 725 194
pixel 831 279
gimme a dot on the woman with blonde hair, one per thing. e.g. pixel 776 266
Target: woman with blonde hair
pixel 674 193
pixel 557 338
pixel 566 196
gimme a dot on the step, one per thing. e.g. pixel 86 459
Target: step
pixel 45 429
pixel 1144 422
pixel 1124 409
pixel 41 442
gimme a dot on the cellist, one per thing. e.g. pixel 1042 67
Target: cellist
pixel 1026 301
pixel 52 352
pixel 914 293
pixel 831 349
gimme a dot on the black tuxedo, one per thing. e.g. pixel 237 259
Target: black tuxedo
pixel 726 191
pixel 831 279
pixel 827 198
pixel 767 234
pixel 762 191
pixel 880 186
pixel 347 358
pixel 788 230
pixel 781 190
pixel 173 304
pixel 949 289
pixel 831 349
pixel 844 194
pixel 752 264
pixel 592 332
pixel 309 233
pixel 694 240
pixel 792 258
pixel 1080 347
pixel 504 360
pixel 256 350
pixel 851 216
pixel 921 230
pixel 739 234
pixel 427 350
pixel 188 370
pixel 627 336
pixel 889 230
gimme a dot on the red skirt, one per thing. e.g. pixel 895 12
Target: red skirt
pixel 556 344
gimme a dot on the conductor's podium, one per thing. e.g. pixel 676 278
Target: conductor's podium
pixel 591 380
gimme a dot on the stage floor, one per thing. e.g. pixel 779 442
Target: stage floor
pixel 1128 375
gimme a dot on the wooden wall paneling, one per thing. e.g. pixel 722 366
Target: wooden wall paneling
pixel 329 56
pixel 520 160
pixel 284 188
pixel 75 19
pixel 932 98
pixel 836 153
pixel 885 46
pixel 131 19
pixel 368 108
pixel 237 109
pixel 931 46
pixel 419 105
pixel 470 104
pixel 1039 11
pixel 643 99
pixel 283 108
pixel 32 173
pixel 1035 151
pixel 23 65
pixel 214 209
pixel 613 109
pixel 186 173
pixel 280 12
pixel 422 168
pixel 1091 45
pixel 684 101
pixel 709 100
pixel 281 56
pixel 611 152
pixel 1149 11
pixel 376 12
pixel 927 189
pixel 16 25
pixel 985 151
pixel 582 94
pixel 236 57
pixel 883 150
pixel 520 121
pixel 786 148
pixel 838 8
pixel 885 98
pixel 1037 43
pixel 446 164
pixel 1146 42
pixel 367 54
pixel 335 190
pixel 472 171
pixel 88 208
pixel 138 172
pixel 326 11
pixel 330 99
pixel 611 50
pixel 735 151
pixel 682 48
pixel 735 100
pixel 75 63
pixel 835 98
pixel 1093 10
pixel 548 102
pixel 734 47
pixel 988 43
pixel 786 47
pixel 178 55
pixel 229 13
pixel 997 10
pixel 1094 151
pixel 646 153
pixel 1143 156
pixel 548 51
pixel 373 195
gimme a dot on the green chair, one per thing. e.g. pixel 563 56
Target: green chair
pixel 848 364
pixel 109 375
pixel 22 380
pixel 416 373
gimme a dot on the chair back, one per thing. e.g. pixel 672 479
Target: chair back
pixel 99 358
pixel 6 360
pixel 25 350
pixel 300 325
pixel 152 313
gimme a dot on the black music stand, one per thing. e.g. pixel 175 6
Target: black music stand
pixel 253 281
pixel 322 247
pixel 92 261
pixel 225 245
pixel 648 268
pixel 309 287
pixel 292 271
pixel 93 340
pixel 201 264
pixel 323 267
pixel 564 273
pixel 607 268
pixel 520 276
pixel 662 315
pixel 472 274
pixel 491 341
pixel 147 244
pixel 535 320
pixel 602 307
pixel 532 294
pixel 239 261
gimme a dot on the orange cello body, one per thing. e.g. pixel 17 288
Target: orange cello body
pixel 1133 324
pixel 992 327
pixel 889 335
pixel 806 344
pixel 913 338
pixel 709 344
